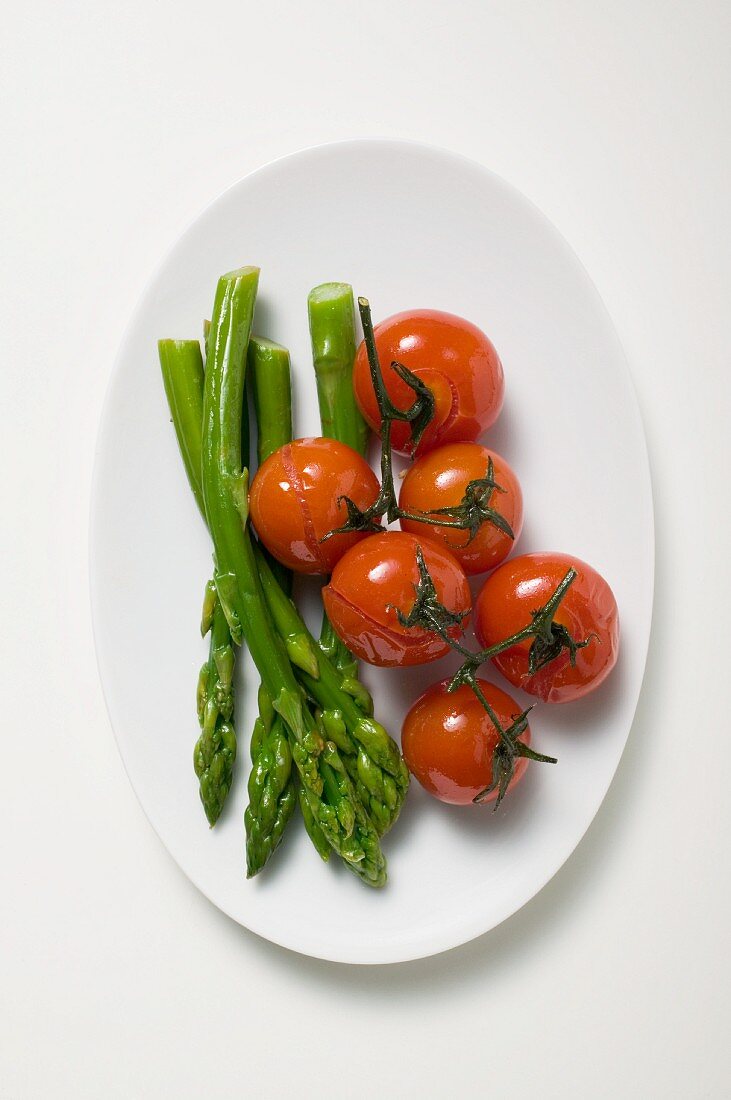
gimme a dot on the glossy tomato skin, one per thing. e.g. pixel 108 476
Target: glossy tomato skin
pixel 452 357
pixel 294 502
pixel 525 584
pixel 439 480
pixel 448 741
pixel 378 576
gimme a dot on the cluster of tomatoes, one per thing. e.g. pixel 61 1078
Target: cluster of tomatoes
pixel 461 513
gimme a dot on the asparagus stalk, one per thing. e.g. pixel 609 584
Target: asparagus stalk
pixel 272 789
pixel 312 826
pixel 225 488
pixel 332 335
pixel 215 750
pixel 270 378
pixel 328 789
pixel 271 385
pixel 272 782
pixel 269 369
pixel 182 374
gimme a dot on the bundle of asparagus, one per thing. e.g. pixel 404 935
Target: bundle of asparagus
pixel 315 739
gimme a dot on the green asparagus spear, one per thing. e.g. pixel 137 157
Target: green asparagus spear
pixel 182 374
pixel 271 385
pixel 371 757
pixel 272 787
pixel 215 749
pixel 332 335
pixel 270 378
pixel 301 647
pixel 225 488
pixel 312 826
pixel 270 382
pixel 347 665
pixel 327 787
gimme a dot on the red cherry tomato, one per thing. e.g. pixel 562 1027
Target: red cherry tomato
pixel 449 740
pixel 439 480
pixel 294 502
pixel 452 357
pixel 374 579
pixel 588 611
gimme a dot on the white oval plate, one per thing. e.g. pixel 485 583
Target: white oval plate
pixel 408 226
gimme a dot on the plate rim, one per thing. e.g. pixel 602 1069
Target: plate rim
pixel 469 930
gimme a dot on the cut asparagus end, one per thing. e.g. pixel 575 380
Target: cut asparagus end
pixel 332 327
pixel 262 344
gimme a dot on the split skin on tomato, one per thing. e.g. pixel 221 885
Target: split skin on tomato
pixel 588 611
pixel 376 579
pixel 295 501
pixel 439 480
pixel 449 740
pixel 452 357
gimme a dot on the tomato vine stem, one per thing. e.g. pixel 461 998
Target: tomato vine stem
pixel 549 640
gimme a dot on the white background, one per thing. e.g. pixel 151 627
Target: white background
pixel 119 122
